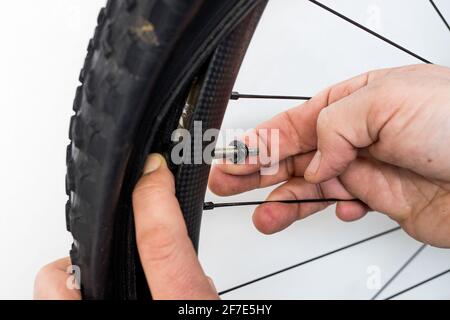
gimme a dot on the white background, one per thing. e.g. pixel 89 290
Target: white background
pixel 298 49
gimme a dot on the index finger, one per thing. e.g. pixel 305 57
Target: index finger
pixel 296 127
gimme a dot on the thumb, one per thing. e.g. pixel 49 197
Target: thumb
pixel 342 128
pixel 167 255
pixel 55 281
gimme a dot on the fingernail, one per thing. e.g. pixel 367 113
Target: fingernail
pixel 153 163
pixel 314 165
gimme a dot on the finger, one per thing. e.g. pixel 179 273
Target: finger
pixel 274 217
pixel 52 282
pixel 289 133
pixel 346 211
pixel 211 283
pixel 168 257
pixel 225 184
pixel 351 211
pixel 270 218
pixel 345 126
pixel 297 127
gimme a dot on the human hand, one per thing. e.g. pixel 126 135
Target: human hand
pixel 166 252
pixel 380 137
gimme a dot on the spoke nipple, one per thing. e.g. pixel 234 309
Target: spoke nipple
pixel 237 152
pixel 235 95
pixel 208 206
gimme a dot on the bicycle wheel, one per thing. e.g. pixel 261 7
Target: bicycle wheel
pixel 146 58
pixel 154 66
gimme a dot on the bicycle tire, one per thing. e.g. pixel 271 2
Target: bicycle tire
pixel 137 74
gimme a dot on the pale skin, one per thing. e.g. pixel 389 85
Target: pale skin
pixel 381 137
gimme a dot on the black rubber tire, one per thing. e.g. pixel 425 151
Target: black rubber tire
pixel 139 68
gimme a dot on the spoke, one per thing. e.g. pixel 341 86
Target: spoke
pixel 212 205
pixel 310 260
pixel 236 96
pixel 379 36
pixel 415 254
pixel 440 14
pixel 419 284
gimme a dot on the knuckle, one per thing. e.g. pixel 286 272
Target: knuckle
pixel 338 92
pixel 218 188
pixel 291 129
pixel 377 86
pixel 147 192
pixel 157 244
pixel 323 121
pixel 149 189
pixel 215 181
pixel 44 275
pixel 415 68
